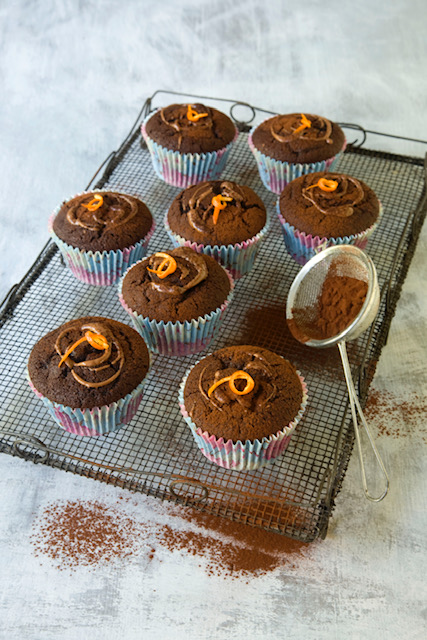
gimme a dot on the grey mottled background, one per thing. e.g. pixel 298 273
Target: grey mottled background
pixel 73 76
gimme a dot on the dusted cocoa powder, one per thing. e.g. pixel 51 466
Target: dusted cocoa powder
pixel 234 548
pixel 397 416
pixel 80 534
pixel 338 304
pixel 75 534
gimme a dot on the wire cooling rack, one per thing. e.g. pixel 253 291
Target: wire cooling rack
pixel 155 454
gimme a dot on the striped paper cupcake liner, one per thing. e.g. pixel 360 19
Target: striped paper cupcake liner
pixel 276 174
pixel 302 247
pixel 237 258
pixel 185 169
pixel 97 421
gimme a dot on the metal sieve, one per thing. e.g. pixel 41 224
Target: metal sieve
pixel 347 261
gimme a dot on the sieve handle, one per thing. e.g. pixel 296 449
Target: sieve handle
pixel 355 404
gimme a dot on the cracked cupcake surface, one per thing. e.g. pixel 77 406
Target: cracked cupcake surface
pixel 241 216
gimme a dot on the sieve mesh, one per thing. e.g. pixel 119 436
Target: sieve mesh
pixel 304 295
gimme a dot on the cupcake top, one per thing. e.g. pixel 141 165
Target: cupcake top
pixel 331 205
pixel 243 393
pixel 190 128
pixel 218 212
pixel 88 362
pixel 298 138
pixel 102 221
pixel 175 285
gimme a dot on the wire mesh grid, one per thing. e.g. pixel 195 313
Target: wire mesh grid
pixel 155 453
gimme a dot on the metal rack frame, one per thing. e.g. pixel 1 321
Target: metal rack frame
pixel 295 495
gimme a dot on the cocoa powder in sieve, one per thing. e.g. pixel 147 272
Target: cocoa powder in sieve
pixel 340 301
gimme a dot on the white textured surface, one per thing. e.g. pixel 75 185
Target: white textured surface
pixel 73 77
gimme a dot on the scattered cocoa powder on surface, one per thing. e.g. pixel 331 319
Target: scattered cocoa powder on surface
pixel 395 416
pixel 234 547
pixel 76 534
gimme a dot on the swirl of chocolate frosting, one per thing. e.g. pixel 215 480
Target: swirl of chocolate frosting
pixel 200 204
pixel 111 356
pixel 191 269
pixel 286 128
pixel 176 118
pixel 116 210
pixel 263 391
pixel 341 201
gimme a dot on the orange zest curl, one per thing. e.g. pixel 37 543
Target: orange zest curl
pixel 96 202
pixel 193 115
pixel 95 340
pixel 166 267
pixel 219 202
pixel 241 375
pixel 325 185
pixel 305 124
pixel 237 375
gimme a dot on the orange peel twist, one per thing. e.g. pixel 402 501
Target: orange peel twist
pixel 219 203
pixel 95 340
pixel 166 267
pixel 237 375
pixel 96 202
pixel 325 185
pixel 305 124
pixel 193 115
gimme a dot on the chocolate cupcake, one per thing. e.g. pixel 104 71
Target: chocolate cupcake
pixel 242 405
pixel 100 233
pixel 221 219
pixel 176 300
pixel 188 143
pixel 324 209
pixel 89 373
pixel 288 146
